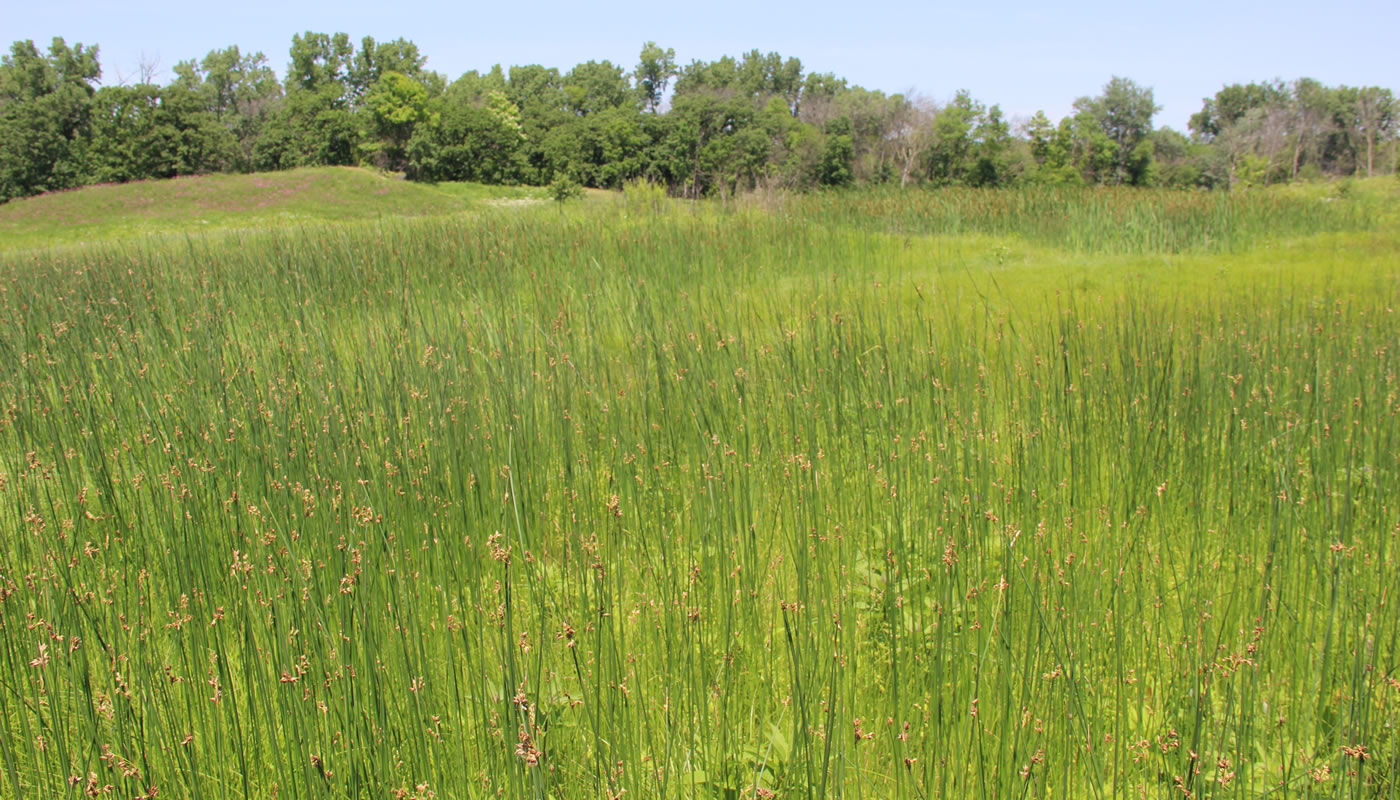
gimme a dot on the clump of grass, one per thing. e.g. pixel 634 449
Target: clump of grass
pixel 684 502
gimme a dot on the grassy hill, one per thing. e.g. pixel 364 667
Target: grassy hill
pixel 221 202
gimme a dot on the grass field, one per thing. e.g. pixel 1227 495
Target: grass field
pixel 214 203
pixel 800 497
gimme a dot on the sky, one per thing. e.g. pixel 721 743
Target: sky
pixel 1021 54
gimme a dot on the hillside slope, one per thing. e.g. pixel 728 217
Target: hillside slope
pixel 212 202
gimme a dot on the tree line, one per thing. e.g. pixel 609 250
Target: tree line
pixel 727 126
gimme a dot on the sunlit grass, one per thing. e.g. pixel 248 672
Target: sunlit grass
pixel 694 502
pixel 1103 220
pixel 200 205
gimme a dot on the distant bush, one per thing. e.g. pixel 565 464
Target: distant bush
pixel 565 188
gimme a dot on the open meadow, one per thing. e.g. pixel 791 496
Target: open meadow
pixel 1023 493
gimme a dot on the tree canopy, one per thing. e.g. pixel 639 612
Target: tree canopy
pixel 707 127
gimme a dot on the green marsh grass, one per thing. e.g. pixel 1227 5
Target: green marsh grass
pixel 1106 220
pixel 689 502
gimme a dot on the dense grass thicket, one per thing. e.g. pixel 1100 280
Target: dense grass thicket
pixel 636 499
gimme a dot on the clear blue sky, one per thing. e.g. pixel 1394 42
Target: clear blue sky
pixel 1024 55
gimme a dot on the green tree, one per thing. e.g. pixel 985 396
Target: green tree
pixel 712 76
pixel 315 124
pixel 470 142
pixel 1093 154
pixel 655 69
pixel 395 105
pixel 1181 161
pixel 310 128
pixel 472 86
pixel 375 59
pixel 145 131
pixel 45 103
pixel 874 119
pixel 602 150
pixel 320 62
pixel 992 165
pixel 948 160
pixel 1124 112
pixel 229 82
pixel 594 87
pixel 1052 152
pixel 702 151
pixel 242 91
pixel 758 76
pixel 128 142
pixel 834 169
pixel 538 93
pixel 819 86
pixel 1231 103
pixel 763 75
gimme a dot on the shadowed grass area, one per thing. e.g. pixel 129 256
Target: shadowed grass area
pixel 692 501
pixel 218 202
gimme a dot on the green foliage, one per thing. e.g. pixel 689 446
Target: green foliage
pixel 971 145
pixel 145 131
pixel 320 61
pixel 564 188
pixel 802 148
pixel 44 116
pixel 312 127
pixel 396 105
pixel 505 113
pixel 373 61
pixel 726 144
pixel 330 83
pixel 240 90
pixel 470 143
pixel 734 125
pixel 595 87
pixel 1251 171
pixel 834 169
pixel 993 150
pixel 1123 112
pixel 757 76
pixel 228 82
pixel 822 86
pixel 1177 160
pixel 874 121
pixel 472 86
pixel 601 150
pixel 655 69
pixel 1232 103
